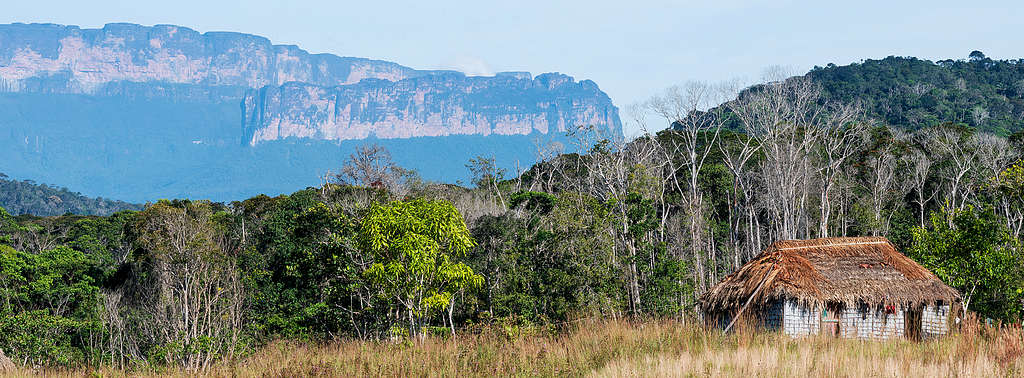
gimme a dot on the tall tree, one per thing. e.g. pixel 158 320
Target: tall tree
pixel 840 136
pixel 418 246
pixel 919 171
pixel 371 166
pixel 686 108
pixel 196 296
pixel 958 148
pixel 487 175
pixel 972 251
pixel 782 116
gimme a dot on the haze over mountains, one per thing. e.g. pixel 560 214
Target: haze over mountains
pixel 139 113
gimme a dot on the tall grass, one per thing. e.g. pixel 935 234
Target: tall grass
pixel 624 349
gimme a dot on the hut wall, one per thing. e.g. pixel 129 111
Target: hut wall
pixel 768 316
pixel 800 320
pixel 888 325
pixel 871 322
pixel 935 320
pixel 717 320
pixel 773 315
pixel 854 322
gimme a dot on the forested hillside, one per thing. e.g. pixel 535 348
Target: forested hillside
pixel 606 230
pixel 910 93
pixel 27 197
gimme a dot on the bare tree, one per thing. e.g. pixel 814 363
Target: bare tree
pixel 959 149
pixel 196 302
pixel 548 166
pixel 979 115
pixel 118 341
pixel 919 169
pixel 738 152
pixel 696 123
pixel 487 175
pixel 371 166
pixel 994 154
pixel 1008 193
pixel 37 238
pixel 781 117
pixel 882 188
pixel 839 137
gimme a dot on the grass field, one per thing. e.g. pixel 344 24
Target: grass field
pixel 622 349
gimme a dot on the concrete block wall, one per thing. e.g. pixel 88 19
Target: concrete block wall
pixel 935 320
pixel 863 322
pixel 888 325
pixel 800 320
pixel 871 322
pixel 773 315
pixel 769 316
pixel 854 322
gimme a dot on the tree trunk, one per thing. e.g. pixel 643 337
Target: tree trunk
pixel 451 309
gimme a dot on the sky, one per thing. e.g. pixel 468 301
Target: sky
pixel 632 49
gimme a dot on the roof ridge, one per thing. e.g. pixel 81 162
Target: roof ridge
pixel 832 245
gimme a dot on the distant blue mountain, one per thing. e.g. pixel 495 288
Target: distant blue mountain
pixel 140 113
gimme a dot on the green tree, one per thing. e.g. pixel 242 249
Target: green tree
pixel 48 311
pixel 6 225
pixel 340 301
pixel 417 247
pixel 303 266
pixel 972 251
pixel 664 278
pixel 549 259
pixel 27 197
pixel 282 267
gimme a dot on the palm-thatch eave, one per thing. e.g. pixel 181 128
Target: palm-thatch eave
pixel 844 270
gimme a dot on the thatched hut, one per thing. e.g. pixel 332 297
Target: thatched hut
pixel 850 287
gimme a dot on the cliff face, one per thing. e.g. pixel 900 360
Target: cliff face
pixel 433 105
pixel 140 113
pixel 67 59
pixel 317 96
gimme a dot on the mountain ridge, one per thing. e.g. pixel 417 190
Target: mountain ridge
pixel 173 54
pixel 146 112
pixel 435 105
pixel 166 60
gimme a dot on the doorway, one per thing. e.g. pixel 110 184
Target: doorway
pixel 830 319
pixel 912 322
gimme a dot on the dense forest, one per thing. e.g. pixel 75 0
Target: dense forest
pixel 910 93
pixel 600 228
pixel 28 197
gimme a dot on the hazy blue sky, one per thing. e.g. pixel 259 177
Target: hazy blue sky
pixel 632 49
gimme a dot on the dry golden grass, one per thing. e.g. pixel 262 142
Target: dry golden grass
pixel 621 349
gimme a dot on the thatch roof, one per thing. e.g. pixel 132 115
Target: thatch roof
pixel 845 270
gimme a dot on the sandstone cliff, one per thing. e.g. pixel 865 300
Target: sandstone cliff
pixel 140 113
pixel 57 58
pixel 301 95
pixel 434 105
